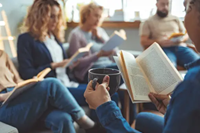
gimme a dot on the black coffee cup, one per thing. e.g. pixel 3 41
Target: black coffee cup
pixel 100 73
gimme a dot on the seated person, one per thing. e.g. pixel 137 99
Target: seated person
pixel 181 111
pixel 40 47
pixel 159 28
pixel 90 32
pixel 40 103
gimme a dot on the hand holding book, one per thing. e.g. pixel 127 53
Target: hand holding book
pixel 161 101
pixel 55 65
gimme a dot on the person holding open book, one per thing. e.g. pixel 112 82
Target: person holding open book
pixel 47 102
pixel 181 109
pixel 90 32
pixel 164 29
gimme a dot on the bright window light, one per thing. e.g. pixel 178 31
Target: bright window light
pixel 1 5
pixel 10 38
pixel 2 23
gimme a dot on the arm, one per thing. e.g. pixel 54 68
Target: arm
pixel 145 41
pixel 100 35
pixel 145 33
pixel 182 30
pixel 111 118
pixel 4 96
pixel 25 58
pixel 74 42
pixel 183 111
pixel 13 70
pixel 107 111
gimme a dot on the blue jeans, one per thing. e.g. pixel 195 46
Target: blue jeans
pixel 181 55
pixel 149 123
pixel 47 101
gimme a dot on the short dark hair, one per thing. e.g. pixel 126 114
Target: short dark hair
pixel 196 3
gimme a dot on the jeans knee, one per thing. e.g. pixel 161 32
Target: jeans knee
pixel 66 118
pixel 51 80
pixel 141 118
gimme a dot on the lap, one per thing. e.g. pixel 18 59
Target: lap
pixel 186 55
pixel 25 110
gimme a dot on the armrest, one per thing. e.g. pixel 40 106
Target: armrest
pixel 7 128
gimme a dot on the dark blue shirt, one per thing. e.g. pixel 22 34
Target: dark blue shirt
pixel 183 112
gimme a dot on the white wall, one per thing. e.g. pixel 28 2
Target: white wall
pixel 17 9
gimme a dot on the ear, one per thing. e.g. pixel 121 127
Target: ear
pixel 157 4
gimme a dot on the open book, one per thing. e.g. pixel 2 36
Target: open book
pixel 177 36
pixel 26 84
pixel 115 40
pixel 152 71
pixel 81 52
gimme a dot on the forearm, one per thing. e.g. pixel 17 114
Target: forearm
pixel 85 61
pixel 185 38
pixel 4 96
pixel 111 118
pixel 147 42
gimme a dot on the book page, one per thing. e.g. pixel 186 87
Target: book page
pixel 139 85
pixel 117 61
pixel 159 70
pixel 79 54
pixel 75 58
pixel 42 74
pixel 113 42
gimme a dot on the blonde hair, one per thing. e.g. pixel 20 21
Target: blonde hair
pixel 86 10
pixel 37 19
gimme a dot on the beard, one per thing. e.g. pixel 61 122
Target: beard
pixel 162 14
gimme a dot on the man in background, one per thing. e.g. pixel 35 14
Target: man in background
pixel 160 27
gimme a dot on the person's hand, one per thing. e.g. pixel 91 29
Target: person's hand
pixel 74 65
pixel 4 96
pixel 166 43
pixel 100 95
pixel 105 53
pixel 160 101
pixel 95 33
pixel 59 64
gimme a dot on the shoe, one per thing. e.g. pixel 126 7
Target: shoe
pixel 98 128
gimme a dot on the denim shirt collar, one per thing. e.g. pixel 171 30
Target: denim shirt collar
pixel 193 64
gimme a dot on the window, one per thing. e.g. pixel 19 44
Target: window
pixel 139 9
pixel 178 8
pixel 73 7
pixel 123 10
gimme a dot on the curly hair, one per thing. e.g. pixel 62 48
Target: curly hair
pixel 86 10
pixel 36 21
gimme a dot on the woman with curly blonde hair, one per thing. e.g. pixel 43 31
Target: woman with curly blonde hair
pixel 39 48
